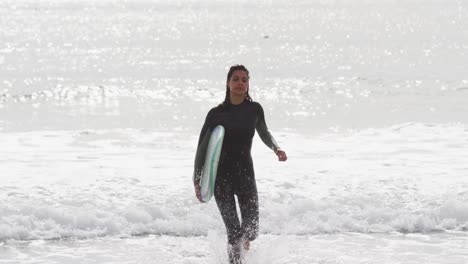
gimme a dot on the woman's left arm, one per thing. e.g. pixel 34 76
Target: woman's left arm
pixel 266 136
pixel 281 155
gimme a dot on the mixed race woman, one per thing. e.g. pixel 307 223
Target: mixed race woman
pixel 240 117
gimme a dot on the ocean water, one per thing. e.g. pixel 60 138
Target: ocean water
pixel 101 104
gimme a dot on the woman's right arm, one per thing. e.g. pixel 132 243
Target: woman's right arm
pixel 201 153
pixel 201 147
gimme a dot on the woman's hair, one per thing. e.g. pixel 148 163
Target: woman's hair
pixel 234 68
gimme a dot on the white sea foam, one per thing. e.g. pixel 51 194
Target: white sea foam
pixel 370 181
pixel 39 220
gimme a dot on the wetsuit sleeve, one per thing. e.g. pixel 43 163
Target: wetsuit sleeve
pixel 201 147
pixel 263 132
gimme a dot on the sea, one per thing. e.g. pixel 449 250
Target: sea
pixel 102 103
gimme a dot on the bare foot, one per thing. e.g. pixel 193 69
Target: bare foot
pixel 246 244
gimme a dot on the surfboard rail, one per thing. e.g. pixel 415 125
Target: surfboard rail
pixel 210 168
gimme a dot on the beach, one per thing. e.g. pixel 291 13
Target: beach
pixel 102 103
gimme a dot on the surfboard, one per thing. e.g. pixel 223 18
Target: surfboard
pixel 210 168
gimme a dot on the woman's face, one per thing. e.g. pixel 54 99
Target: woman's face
pixel 239 82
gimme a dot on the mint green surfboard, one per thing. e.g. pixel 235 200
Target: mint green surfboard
pixel 210 168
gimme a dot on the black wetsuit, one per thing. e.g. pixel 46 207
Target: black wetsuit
pixel 235 174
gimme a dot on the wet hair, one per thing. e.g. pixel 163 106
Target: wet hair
pixel 227 99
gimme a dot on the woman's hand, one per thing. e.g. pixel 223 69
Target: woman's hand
pixel 281 155
pixel 197 187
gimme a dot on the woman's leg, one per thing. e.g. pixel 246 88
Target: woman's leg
pixel 248 203
pixel 226 202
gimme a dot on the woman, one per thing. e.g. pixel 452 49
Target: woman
pixel 240 117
